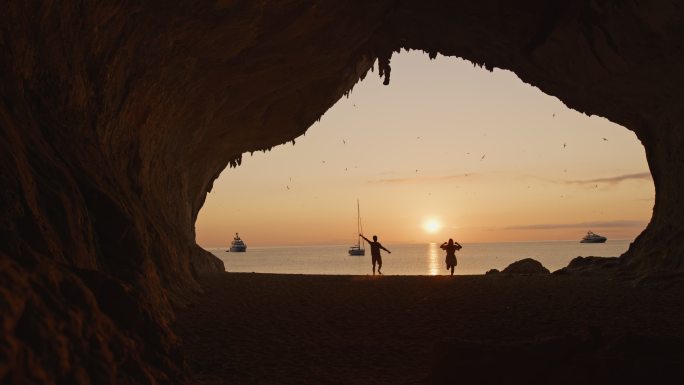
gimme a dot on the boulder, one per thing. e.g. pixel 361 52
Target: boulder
pixel 527 266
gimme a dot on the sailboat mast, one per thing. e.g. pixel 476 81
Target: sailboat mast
pixel 359 226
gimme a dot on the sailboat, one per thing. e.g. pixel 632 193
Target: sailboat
pixel 358 249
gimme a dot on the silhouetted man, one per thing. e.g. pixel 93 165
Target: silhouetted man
pixel 375 252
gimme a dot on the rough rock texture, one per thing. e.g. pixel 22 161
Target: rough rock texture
pixel 115 118
pixel 526 266
pixel 591 265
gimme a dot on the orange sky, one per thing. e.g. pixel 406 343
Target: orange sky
pixel 481 153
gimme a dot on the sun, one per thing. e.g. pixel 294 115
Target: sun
pixel 432 226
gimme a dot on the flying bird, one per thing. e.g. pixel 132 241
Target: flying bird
pixel 288 187
pixel 343 142
pixel 483 156
pixel 605 139
pixel 563 145
pixel 554 115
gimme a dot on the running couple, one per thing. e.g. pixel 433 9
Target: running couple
pixel 450 247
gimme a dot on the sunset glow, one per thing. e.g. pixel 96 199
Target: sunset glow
pixel 432 226
pixel 478 148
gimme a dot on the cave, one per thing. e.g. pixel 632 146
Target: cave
pixel 116 118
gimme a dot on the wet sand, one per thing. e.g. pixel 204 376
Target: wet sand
pixel 308 329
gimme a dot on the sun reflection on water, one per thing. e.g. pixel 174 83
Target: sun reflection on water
pixel 433 256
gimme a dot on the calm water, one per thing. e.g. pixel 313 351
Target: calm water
pixel 411 259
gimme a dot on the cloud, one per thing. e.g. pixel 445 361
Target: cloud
pixel 581 225
pixel 421 179
pixel 613 180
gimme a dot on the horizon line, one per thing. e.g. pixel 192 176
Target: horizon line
pixel 404 243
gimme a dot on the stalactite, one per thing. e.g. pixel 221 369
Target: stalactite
pixel 384 68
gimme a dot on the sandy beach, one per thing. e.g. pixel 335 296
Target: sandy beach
pixel 308 329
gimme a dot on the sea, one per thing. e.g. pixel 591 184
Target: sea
pixel 411 259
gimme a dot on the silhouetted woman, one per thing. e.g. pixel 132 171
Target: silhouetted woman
pixel 450 249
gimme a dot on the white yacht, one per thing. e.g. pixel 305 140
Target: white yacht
pixel 593 238
pixel 238 245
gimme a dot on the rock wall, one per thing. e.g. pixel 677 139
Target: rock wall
pixel 115 118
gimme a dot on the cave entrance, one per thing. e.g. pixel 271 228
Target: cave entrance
pixel 448 149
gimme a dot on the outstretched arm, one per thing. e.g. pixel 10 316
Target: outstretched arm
pixel 383 247
pixel 364 238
